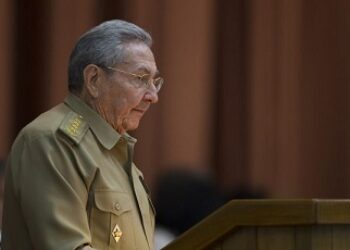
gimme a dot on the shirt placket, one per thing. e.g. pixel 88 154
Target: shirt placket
pixel 131 176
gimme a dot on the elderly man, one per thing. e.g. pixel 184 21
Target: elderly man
pixel 71 182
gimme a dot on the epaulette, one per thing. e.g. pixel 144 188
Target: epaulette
pixel 74 126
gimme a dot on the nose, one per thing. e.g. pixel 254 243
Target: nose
pixel 151 95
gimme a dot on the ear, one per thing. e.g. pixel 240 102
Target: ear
pixel 92 76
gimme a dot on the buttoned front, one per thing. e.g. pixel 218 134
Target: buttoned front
pixel 70 181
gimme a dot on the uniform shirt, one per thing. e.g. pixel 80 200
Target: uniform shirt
pixel 70 182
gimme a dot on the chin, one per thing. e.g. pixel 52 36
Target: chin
pixel 131 125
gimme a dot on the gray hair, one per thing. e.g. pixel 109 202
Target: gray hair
pixel 103 46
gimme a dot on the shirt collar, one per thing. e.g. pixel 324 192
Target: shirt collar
pixel 104 132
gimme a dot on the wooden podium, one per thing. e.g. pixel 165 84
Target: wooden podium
pixel 271 225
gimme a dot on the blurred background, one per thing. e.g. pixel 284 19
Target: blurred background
pixel 256 96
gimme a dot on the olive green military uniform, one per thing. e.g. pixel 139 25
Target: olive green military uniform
pixel 71 182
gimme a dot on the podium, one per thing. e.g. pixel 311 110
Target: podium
pixel 271 225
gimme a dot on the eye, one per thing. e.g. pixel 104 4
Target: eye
pixel 144 78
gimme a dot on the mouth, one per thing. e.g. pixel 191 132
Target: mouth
pixel 142 111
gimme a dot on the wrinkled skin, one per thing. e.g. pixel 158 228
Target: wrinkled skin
pixel 114 96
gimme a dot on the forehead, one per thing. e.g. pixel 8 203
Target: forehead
pixel 139 56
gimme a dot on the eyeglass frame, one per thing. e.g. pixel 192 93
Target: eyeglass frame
pixel 141 77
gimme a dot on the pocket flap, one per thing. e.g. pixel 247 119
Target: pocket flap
pixel 113 202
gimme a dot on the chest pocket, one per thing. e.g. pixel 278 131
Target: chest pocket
pixel 113 202
pixel 112 211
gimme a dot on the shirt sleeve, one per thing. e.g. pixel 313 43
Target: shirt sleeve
pixel 52 195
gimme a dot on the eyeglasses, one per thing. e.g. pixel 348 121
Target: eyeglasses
pixel 143 80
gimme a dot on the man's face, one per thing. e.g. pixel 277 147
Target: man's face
pixel 120 102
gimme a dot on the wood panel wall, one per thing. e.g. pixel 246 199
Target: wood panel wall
pixel 256 93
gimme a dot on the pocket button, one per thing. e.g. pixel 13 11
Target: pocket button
pixel 117 206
